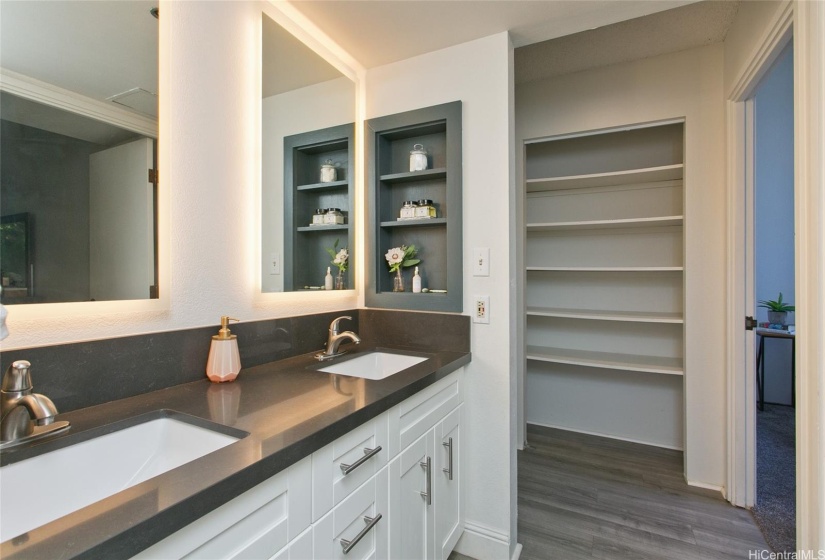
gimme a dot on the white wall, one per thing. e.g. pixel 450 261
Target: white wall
pixel 685 84
pixel 477 73
pixel 310 108
pixel 209 165
pixel 774 212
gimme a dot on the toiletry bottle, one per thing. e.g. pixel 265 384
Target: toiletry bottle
pixel 416 282
pixel 224 363
pixel 328 280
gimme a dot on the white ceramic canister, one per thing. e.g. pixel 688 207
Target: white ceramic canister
pixel 328 172
pixel 418 158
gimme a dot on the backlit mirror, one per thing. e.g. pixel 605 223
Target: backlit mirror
pixel 307 186
pixel 78 105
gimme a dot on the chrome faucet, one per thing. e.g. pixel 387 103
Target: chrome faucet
pixel 24 416
pixel 334 340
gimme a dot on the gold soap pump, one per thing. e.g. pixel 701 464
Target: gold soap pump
pixel 224 363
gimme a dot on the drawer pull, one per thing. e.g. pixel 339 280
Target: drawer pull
pixel 371 522
pixel 368 454
pixel 428 466
pixel 449 445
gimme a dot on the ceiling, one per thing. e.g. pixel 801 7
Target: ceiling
pixel 110 47
pixel 377 32
pixel 682 28
pixel 96 49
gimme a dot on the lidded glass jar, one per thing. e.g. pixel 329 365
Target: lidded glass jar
pixel 407 210
pixel 334 216
pixel 418 158
pixel 425 209
pixel 328 172
pixel 318 217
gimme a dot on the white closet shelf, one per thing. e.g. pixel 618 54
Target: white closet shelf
pixel 606 360
pixel 604 268
pixel 613 178
pixel 600 315
pixel 658 221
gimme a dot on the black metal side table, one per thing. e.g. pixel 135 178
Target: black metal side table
pixel 763 333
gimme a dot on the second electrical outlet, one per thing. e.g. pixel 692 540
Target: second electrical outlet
pixel 481 309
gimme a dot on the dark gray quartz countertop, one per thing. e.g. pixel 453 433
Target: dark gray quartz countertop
pixel 289 410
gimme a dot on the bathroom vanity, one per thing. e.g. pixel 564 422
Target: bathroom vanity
pixel 281 491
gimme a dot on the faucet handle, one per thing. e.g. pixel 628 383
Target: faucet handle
pixel 333 327
pixel 18 377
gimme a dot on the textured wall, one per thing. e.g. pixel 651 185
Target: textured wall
pixel 477 73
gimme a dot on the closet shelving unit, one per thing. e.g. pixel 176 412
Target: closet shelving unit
pixel 305 256
pixel 604 256
pixel 390 183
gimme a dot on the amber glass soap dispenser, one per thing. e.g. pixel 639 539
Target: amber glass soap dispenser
pixel 224 361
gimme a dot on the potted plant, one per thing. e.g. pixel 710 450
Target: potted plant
pixel 340 258
pixel 399 257
pixel 777 310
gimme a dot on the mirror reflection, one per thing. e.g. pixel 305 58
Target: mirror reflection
pixel 307 144
pixel 78 105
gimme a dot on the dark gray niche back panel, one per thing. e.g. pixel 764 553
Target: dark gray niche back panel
pixel 390 183
pixel 305 256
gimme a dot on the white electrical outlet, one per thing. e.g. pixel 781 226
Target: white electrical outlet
pixel 481 309
pixel 274 263
pixel 481 261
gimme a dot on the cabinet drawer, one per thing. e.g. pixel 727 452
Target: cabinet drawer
pixel 415 416
pixel 356 515
pixel 330 484
pixel 256 524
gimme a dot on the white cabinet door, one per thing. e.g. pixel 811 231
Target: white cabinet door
pixel 299 549
pixel 447 486
pixel 411 525
pixel 358 527
pixel 257 524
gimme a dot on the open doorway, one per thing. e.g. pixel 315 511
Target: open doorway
pixel 773 274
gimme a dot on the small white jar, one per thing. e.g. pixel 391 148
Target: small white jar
pixel 318 217
pixel 328 172
pixel 418 158
pixel 334 216
pixel 407 210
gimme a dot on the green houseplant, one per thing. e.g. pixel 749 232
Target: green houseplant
pixel 777 310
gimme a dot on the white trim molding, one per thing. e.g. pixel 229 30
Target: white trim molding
pixel 484 543
pixel 809 193
pixel 54 96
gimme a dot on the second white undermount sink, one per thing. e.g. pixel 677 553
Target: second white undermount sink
pixel 373 365
pixel 41 489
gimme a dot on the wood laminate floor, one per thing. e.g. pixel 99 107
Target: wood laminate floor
pixel 588 497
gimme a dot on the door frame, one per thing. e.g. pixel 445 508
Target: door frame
pixel 805 21
pixel 741 471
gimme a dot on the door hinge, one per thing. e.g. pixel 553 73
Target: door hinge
pixel 750 323
pixel 153 176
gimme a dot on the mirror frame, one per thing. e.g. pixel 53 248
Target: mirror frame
pixel 48 94
pixel 294 22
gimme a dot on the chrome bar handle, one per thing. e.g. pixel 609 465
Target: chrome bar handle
pixel 428 466
pixel 449 445
pixel 371 522
pixel 368 454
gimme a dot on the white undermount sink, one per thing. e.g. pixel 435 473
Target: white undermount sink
pixel 373 365
pixel 46 487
